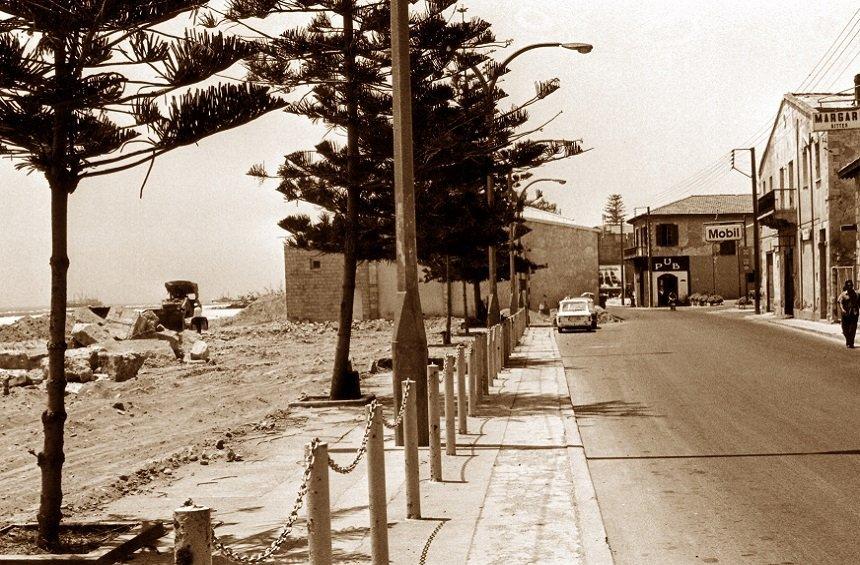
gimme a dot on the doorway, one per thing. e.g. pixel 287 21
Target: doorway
pixel 769 288
pixel 666 284
pixel 788 302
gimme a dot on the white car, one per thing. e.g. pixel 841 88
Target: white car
pixel 576 313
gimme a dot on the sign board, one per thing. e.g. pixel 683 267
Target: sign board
pixel 747 259
pixel 610 277
pixel 670 263
pixel 724 232
pixel 825 120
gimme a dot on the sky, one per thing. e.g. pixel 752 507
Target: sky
pixel 669 89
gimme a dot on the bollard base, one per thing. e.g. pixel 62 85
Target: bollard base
pixel 323 401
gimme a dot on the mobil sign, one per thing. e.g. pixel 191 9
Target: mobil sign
pixel 724 232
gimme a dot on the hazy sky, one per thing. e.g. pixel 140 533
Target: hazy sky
pixel 669 89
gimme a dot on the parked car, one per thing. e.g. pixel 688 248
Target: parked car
pixel 576 313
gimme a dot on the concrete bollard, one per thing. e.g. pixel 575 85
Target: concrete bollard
pixel 506 341
pixel 376 496
pixel 410 451
pixel 483 364
pixel 491 355
pixel 462 403
pixel 433 412
pixel 192 535
pixel 319 508
pixel 450 430
pixel 473 380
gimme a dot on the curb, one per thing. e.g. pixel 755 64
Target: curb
pixel 595 544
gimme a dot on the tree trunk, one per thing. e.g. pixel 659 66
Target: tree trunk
pixel 51 458
pixel 344 381
pixel 62 182
pixel 447 338
pixel 465 310
pixel 480 310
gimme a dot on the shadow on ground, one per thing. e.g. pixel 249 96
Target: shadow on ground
pixel 614 409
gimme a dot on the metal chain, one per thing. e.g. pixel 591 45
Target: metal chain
pixel 399 418
pixel 294 515
pixel 363 447
pixel 423 559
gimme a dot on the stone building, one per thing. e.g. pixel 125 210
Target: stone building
pixel 699 244
pixel 567 250
pixel 807 212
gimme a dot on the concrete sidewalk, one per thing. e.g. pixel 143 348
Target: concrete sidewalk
pixel 518 490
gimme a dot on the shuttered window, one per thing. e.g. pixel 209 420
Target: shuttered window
pixel 667 235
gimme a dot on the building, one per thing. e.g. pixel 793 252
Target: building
pixel 807 212
pixel 700 244
pixel 566 251
pixel 610 258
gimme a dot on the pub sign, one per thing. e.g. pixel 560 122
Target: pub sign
pixel 670 263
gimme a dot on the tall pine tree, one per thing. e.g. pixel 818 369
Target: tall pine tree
pixel 71 102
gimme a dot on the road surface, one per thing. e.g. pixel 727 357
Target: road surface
pixel 712 438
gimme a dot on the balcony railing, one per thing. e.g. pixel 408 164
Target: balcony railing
pixel 636 251
pixel 776 209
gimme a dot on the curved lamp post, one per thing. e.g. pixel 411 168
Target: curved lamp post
pixel 514 281
pixel 489 86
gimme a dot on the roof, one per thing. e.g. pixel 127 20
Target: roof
pixel 704 205
pixel 531 214
pixel 850 170
pixel 808 103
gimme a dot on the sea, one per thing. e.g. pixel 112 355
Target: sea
pixel 211 311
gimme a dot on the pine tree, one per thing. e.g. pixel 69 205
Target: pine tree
pixel 353 185
pixel 72 101
pixel 613 211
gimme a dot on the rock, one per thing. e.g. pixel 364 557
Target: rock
pixel 17 377
pixel 200 351
pixel 126 323
pixel 89 334
pixel 219 444
pixel 74 388
pixel 118 406
pixel 145 326
pixel 121 366
pixel 24 359
pixel 172 338
pixel 156 350
pixel 36 376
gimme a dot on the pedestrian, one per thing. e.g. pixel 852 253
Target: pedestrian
pixel 673 299
pixel 198 321
pixel 543 307
pixel 849 308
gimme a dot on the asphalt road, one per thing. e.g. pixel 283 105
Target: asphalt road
pixel 715 439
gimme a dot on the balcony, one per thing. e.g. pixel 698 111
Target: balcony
pixel 777 209
pixel 635 251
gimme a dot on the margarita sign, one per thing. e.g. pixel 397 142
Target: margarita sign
pixel 826 120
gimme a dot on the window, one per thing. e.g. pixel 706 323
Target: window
pixel 782 177
pixel 728 248
pixel 816 167
pixel 804 167
pixel 667 235
pixel 315 264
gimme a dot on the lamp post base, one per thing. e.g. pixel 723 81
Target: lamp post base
pixel 409 360
pixel 493 314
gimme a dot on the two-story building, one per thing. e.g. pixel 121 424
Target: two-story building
pixel 700 244
pixel 807 212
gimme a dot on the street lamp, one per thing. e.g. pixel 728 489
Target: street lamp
pixel 514 281
pixel 489 86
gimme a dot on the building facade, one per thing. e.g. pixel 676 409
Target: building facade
pixel 807 212
pixel 700 244
pixel 610 257
pixel 567 252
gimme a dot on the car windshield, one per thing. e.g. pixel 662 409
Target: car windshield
pixel 574 307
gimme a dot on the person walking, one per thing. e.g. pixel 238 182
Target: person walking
pixel 849 307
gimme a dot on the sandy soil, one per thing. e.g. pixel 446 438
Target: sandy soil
pixel 175 414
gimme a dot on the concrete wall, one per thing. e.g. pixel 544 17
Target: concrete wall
pixel 314 294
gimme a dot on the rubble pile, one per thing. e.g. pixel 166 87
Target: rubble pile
pixel 111 348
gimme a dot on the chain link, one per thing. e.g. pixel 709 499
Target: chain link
pixel 362 449
pixel 423 559
pixel 288 527
pixel 399 418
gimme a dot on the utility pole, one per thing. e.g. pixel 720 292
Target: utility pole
pixel 512 264
pixel 409 341
pixel 621 245
pixel 756 242
pixel 648 239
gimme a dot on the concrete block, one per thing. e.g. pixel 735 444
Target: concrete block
pixel 90 333
pixel 25 359
pixel 85 316
pixel 200 351
pixel 155 349
pixel 126 323
pixel 120 366
pixel 17 377
pixel 173 338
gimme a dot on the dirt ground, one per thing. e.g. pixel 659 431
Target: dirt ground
pixel 127 437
